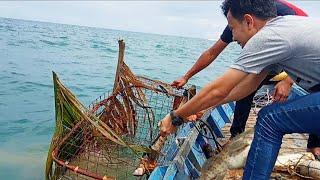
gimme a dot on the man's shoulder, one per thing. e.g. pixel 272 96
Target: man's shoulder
pixel 269 38
pixel 289 20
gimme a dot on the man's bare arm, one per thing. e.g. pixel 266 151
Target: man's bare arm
pixel 248 85
pixel 213 93
pixel 206 58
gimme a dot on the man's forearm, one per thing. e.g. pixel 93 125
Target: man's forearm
pixel 203 61
pixel 206 98
pixel 245 87
pixel 206 58
pixel 212 94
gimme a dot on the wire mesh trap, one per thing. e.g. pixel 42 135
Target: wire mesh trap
pixel 109 139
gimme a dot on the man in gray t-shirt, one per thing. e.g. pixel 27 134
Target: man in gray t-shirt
pixel 268 42
pixel 285 42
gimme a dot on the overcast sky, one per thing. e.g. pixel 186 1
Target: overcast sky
pixel 201 19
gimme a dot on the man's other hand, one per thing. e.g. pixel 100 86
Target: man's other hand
pixel 282 91
pixel 166 126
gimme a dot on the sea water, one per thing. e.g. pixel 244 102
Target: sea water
pixel 85 59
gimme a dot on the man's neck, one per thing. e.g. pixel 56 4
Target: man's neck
pixel 261 23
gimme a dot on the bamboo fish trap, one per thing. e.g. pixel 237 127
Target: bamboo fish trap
pixel 108 139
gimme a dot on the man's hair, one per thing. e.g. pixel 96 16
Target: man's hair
pixel 262 9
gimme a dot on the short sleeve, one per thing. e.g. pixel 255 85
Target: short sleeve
pixel 226 36
pixel 264 50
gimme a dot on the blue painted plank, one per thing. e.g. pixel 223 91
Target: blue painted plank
pixel 228 110
pixel 193 172
pixel 216 128
pixel 222 114
pixel 232 105
pixel 171 172
pixel 199 156
pixel 218 119
pixel 158 173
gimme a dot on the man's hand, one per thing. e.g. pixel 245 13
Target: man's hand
pixel 166 126
pixel 179 82
pixel 282 90
pixel 195 117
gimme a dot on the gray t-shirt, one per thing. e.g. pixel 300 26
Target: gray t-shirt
pixel 289 43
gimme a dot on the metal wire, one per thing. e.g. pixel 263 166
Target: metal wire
pixel 84 152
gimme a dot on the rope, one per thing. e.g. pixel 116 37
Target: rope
pixel 262 99
pixel 292 169
pixel 214 138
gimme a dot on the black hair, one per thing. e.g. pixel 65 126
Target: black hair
pixel 262 9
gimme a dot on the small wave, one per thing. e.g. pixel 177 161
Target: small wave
pixel 82 56
pixel 42 60
pixel 62 44
pixel 76 62
pixel 39 111
pixel 40 130
pixel 15 130
pixel 82 95
pixel 79 74
pixel 2 77
pixel 111 50
pixel 95 46
pixel 13 82
pixel 76 88
pixel 183 56
pixel 179 50
pixel 24 89
pixel 9 28
pixel 85 75
pixel 21 121
pixel 39 84
pixel 141 56
pixel 12 44
pixel 104 48
pixel 63 37
pixel 26 102
pixel 12 63
pixel 54 43
pixel 26 42
pixel 45 35
pixel 106 56
pixel 95 88
pixel 159 46
pixel 149 69
pixel 16 73
pixel 47 42
pixel 98 42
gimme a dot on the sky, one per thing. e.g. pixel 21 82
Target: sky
pixel 201 19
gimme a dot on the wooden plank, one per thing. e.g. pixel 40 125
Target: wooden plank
pixel 120 62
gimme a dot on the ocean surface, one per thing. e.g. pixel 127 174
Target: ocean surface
pixel 85 59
